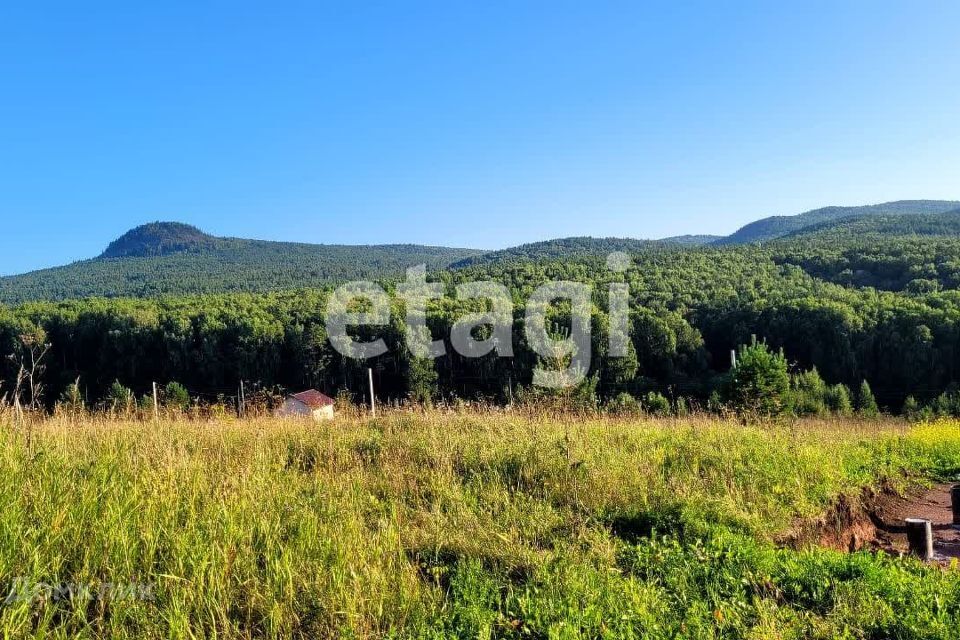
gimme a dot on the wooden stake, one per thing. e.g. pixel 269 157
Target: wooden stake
pixel 920 538
pixel 243 401
pixel 373 402
pixel 156 405
pixel 733 358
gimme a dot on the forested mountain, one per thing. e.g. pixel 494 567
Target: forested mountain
pixel 159 239
pixel 777 226
pixel 167 258
pixel 172 258
pixel 885 225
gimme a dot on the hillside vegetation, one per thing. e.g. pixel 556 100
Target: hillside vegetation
pixel 777 226
pixel 168 258
pixel 460 526
pixel 871 298
pixel 574 248
pixel 159 239
pixel 689 308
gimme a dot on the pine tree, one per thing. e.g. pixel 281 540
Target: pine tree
pixel 838 400
pixel 760 385
pixel 911 408
pixel 421 380
pixel 866 403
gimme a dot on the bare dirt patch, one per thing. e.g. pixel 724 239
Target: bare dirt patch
pixel 874 520
pixel 931 504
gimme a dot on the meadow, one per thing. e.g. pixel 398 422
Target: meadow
pixel 461 525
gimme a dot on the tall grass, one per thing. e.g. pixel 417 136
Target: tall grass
pixel 459 525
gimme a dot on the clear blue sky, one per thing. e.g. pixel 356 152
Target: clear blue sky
pixel 480 124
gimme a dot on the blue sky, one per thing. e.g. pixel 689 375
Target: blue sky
pixel 462 123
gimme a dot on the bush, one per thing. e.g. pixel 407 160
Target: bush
pixel 120 398
pixel 683 407
pixel 946 405
pixel 715 403
pixel 624 404
pixel 71 400
pixel 911 409
pixel 175 396
pixel 145 404
pixel 656 404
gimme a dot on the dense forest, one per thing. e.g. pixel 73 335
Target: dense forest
pixel 689 308
pixel 862 298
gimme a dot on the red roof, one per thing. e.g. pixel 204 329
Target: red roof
pixel 313 398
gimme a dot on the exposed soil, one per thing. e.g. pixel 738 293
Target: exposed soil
pixel 931 504
pixel 875 520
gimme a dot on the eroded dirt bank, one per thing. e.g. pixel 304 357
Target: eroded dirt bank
pixel 875 520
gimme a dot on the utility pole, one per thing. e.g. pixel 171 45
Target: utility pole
pixel 373 401
pixel 156 405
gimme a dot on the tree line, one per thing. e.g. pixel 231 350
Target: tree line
pixel 689 309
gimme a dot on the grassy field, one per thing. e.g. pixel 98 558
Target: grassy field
pixel 462 525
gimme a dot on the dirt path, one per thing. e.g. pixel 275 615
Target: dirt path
pixel 932 504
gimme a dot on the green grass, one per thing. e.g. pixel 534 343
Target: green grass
pixel 444 525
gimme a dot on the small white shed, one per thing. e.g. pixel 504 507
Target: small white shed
pixel 307 404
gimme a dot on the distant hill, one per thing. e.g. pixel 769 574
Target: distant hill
pixel 860 227
pixel 159 239
pixel 578 247
pixel 778 226
pixel 690 240
pixel 172 258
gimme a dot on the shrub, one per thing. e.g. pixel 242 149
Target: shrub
pixel 911 408
pixel 145 404
pixel 71 400
pixel 175 396
pixel 946 405
pixel 421 380
pixel 120 398
pixel 624 404
pixel 656 404
pixel 683 407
